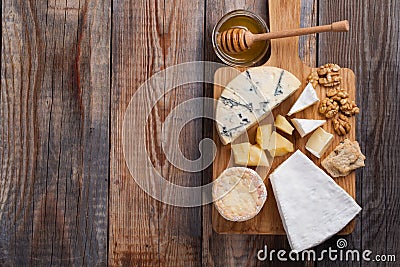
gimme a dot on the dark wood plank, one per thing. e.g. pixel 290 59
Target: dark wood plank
pixel 371 49
pixel 149 36
pixel 241 250
pixel 54 132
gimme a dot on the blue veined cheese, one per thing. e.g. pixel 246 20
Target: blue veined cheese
pixel 312 206
pixel 249 98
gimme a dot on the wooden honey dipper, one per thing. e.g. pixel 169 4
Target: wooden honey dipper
pixel 236 40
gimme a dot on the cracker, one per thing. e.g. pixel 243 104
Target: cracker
pixel 344 159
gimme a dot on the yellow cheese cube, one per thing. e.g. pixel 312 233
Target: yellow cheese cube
pixel 263 135
pixel 279 145
pixel 246 154
pixel 257 157
pixel 282 124
pixel 241 153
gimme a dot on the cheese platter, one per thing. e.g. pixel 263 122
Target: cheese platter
pixel 302 103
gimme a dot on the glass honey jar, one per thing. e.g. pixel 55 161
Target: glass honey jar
pixel 246 20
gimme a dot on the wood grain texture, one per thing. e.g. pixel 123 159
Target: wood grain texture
pixel 54 132
pixel 241 250
pixel 180 228
pixel 150 36
pixel 137 54
pixel 371 49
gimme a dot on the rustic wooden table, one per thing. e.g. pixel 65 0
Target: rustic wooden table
pixel 68 71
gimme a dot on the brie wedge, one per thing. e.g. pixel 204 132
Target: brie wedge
pixel 250 97
pixel 304 126
pixel 239 194
pixel 307 98
pixel 319 142
pixel 312 206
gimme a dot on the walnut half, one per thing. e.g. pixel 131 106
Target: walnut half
pixel 341 125
pixel 337 104
pixel 349 108
pixel 329 108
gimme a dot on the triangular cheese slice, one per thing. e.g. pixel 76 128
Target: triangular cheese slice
pixel 312 206
pixel 304 126
pixel 250 97
pixel 307 98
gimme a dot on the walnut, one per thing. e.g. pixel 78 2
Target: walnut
pixel 337 93
pixel 341 125
pixel 349 108
pixel 313 78
pixel 328 75
pixel 329 108
pixel 331 113
pixel 322 71
pixel 337 104
pixel 329 82
pixel 332 92
pixel 344 118
pixel 328 68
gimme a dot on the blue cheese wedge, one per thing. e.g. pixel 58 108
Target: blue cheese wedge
pixel 250 97
pixel 305 126
pixel 239 194
pixel 312 206
pixel 307 98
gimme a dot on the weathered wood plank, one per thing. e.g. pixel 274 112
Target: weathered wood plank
pixel 136 55
pixel 54 132
pixel 371 50
pixel 180 228
pixel 148 37
pixel 241 250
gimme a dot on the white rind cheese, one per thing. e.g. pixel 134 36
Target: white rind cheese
pixel 312 206
pixel 307 98
pixel 304 126
pixel 250 97
pixel 319 142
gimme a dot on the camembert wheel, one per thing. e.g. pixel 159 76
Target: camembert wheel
pixel 239 194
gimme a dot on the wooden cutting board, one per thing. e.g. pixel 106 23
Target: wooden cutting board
pixel 284 14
